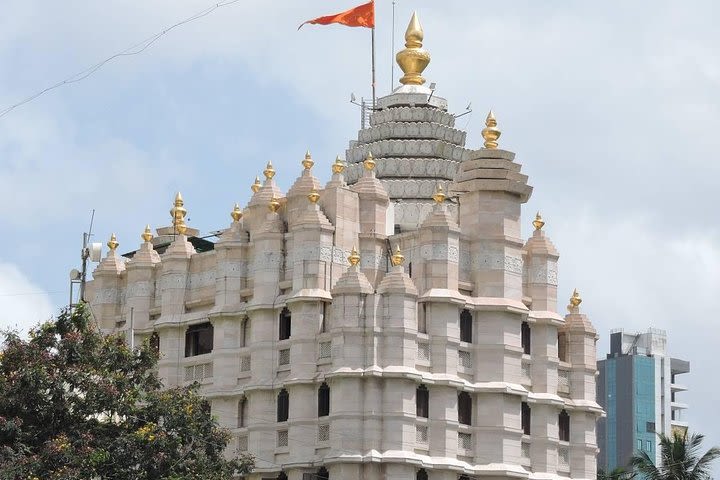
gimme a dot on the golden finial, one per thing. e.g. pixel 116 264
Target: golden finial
pixel 308 161
pixel 575 300
pixel 354 257
pixel 256 186
pixel 269 171
pixel 178 213
pixel 274 205
pixel 113 243
pixel 147 234
pixel 369 162
pixel 313 196
pixel 338 166
pixel 439 195
pixel 397 258
pixel 490 133
pixel 413 59
pixel 236 213
pixel 538 223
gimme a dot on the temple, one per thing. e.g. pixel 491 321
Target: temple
pixel 390 324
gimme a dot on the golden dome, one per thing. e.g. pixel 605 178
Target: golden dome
pixel 397 258
pixel 369 162
pixel 490 133
pixel 413 59
pixel 274 205
pixel 113 243
pixel 236 213
pixel 147 234
pixel 439 195
pixel 538 223
pixel 338 166
pixel 354 257
pixel 256 186
pixel 308 161
pixel 269 171
pixel 313 196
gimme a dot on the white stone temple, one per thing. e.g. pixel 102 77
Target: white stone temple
pixel 391 324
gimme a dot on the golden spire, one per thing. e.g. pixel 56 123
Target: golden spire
pixel 236 213
pixel 313 196
pixel 490 133
pixel 256 186
pixel 113 243
pixel 308 161
pixel 178 213
pixel 413 59
pixel 575 300
pixel 338 166
pixel 369 162
pixel 147 234
pixel 269 171
pixel 538 223
pixel 397 258
pixel 274 205
pixel 439 195
pixel 354 257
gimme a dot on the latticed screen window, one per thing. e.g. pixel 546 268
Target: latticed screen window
pixel 324 433
pixel 325 349
pixel 284 357
pixel 282 439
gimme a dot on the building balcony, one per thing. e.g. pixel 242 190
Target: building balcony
pixel 678 406
pixel 678 387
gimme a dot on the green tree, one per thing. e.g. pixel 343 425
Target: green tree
pixel 680 459
pixel 618 473
pixel 77 404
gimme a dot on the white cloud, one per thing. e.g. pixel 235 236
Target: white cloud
pixel 23 304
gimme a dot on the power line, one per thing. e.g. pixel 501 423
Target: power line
pixel 132 50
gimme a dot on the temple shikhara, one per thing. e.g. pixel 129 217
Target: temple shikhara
pixel 390 324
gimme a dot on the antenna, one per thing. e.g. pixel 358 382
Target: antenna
pixel 392 52
pixel 468 109
pixel 432 91
pixel 365 109
pixel 90 251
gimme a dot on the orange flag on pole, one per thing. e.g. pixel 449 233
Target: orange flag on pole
pixel 360 16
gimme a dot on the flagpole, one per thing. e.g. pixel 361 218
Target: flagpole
pixel 372 36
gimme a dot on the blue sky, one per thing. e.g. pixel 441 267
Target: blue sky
pixel 611 107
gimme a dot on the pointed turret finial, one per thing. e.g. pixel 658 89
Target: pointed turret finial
pixel 308 161
pixel 274 205
pixel 369 162
pixel 439 195
pixel 178 213
pixel 113 243
pixel 413 59
pixel 236 213
pixel 338 167
pixel 313 196
pixel 147 234
pixel 256 186
pixel 575 300
pixel 490 133
pixel 538 223
pixel 397 258
pixel 354 257
pixel 269 171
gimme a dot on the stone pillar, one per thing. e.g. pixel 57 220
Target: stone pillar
pixel 439 250
pixel 104 292
pixel 140 294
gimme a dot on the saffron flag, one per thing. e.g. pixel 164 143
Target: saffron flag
pixel 360 16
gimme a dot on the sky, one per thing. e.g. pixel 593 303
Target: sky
pixel 611 107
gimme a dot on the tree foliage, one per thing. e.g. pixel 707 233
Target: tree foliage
pixel 680 459
pixel 77 404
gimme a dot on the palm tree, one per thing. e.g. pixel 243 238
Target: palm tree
pixel 680 459
pixel 618 473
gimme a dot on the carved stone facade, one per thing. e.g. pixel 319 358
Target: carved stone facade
pixel 455 362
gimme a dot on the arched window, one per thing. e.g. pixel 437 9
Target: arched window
pixel 285 324
pixel 466 326
pixel 242 412
pixel 564 426
pixel 525 417
pixel 525 337
pixel 421 475
pixel 422 401
pixel 323 400
pixel 245 333
pixel 464 408
pixel 323 474
pixel 155 342
pixel 283 406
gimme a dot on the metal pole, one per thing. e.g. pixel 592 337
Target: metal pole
pixel 373 66
pixel 132 328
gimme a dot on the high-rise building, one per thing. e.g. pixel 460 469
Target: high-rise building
pixel 392 323
pixel 637 386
